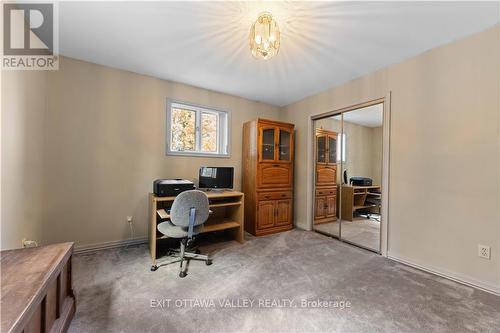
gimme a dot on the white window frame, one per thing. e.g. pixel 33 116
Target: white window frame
pixel 223 130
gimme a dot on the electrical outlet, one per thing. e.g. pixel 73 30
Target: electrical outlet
pixel 129 219
pixel 28 243
pixel 483 251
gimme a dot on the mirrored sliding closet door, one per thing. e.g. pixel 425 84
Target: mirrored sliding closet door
pixel 348 176
pixel 361 196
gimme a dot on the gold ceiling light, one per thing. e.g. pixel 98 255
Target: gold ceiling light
pixel 265 37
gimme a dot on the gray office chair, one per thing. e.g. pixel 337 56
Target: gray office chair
pixel 187 215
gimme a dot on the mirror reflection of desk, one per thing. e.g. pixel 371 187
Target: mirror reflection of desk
pixel 357 198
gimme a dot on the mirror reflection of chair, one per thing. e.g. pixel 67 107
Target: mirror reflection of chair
pixel 185 220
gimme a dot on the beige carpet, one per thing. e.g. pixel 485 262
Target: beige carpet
pixel 360 231
pixel 288 277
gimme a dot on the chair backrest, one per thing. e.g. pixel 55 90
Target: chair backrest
pixel 179 213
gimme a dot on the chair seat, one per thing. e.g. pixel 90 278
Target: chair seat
pixel 170 230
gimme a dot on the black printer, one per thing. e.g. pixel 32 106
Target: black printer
pixel 361 181
pixel 171 187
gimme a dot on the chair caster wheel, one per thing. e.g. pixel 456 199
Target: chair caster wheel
pixel 154 268
pixel 182 274
pixel 208 262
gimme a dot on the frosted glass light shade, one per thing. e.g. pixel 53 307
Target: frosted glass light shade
pixel 264 38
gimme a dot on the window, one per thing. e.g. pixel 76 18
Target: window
pixel 194 130
pixel 341 141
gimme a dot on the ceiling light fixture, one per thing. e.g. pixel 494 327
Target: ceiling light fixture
pixel 265 37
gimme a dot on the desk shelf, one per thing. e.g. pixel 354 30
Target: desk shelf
pixel 225 204
pixel 212 226
pixel 363 207
pixel 162 213
pixel 220 225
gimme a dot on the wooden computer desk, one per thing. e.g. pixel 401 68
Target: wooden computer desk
pixel 354 198
pixel 227 207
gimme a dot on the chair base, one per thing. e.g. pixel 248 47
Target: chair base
pixel 176 256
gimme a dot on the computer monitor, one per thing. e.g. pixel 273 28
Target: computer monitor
pixel 216 177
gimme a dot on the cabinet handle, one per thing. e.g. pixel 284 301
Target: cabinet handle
pixel 283 195
pixel 267 196
pixel 276 165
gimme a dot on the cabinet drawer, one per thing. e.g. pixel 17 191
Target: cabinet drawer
pixel 274 195
pixel 274 175
pixel 326 191
pixel 326 175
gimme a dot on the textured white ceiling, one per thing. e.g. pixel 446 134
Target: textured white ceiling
pixel 205 44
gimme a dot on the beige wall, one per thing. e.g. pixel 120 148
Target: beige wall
pixel 83 149
pixel 103 145
pixel 444 156
pixel 361 152
pixel 22 145
pixel 376 154
pixel 498 160
pixel 363 148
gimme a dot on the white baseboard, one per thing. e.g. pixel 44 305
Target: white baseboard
pixel 468 281
pixel 108 245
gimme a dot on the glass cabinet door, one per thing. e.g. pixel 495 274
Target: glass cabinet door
pixel 268 144
pixel 284 147
pixel 321 149
pixel 332 149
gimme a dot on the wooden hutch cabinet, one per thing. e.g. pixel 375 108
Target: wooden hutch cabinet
pixel 325 199
pixel 268 176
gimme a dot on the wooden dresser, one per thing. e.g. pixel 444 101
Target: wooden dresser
pixel 36 289
pixel 268 176
pixel 325 199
